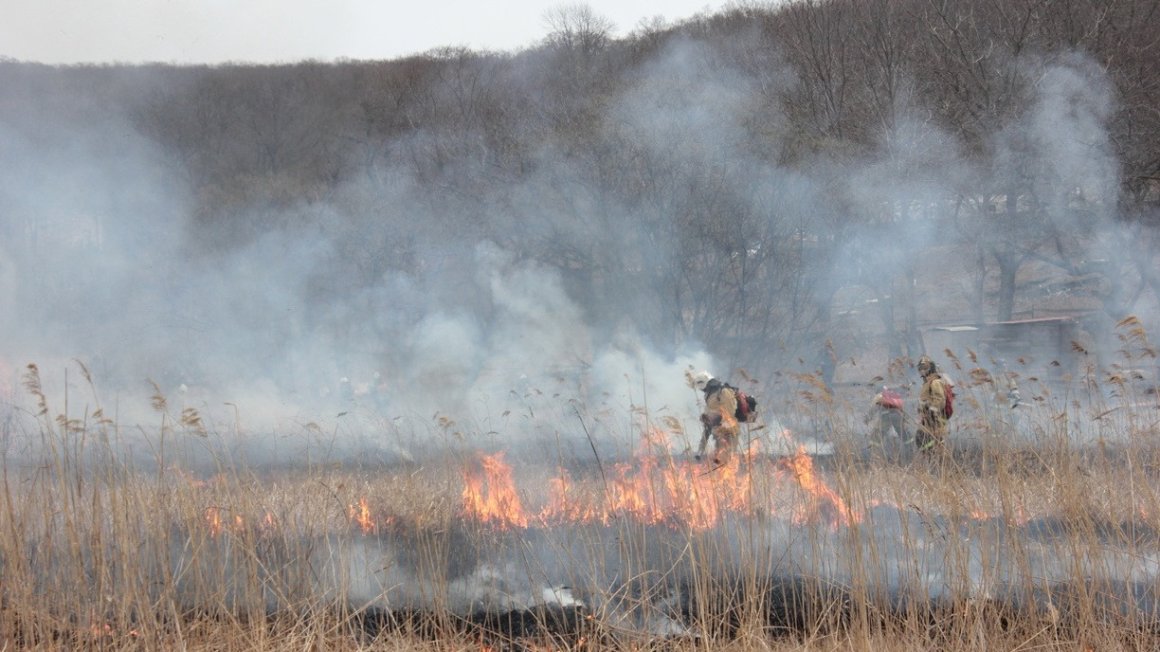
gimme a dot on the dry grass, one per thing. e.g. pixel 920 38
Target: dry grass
pixel 98 552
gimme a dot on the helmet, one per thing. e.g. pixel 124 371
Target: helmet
pixel 925 365
pixel 701 379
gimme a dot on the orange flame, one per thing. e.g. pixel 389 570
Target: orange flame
pixel 269 524
pixel 566 504
pixel 361 514
pixel 213 519
pixel 490 496
pixel 802 467
pixel 657 490
pixel 217 525
pixel 654 489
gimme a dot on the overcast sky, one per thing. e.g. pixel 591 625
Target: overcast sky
pixel 265 31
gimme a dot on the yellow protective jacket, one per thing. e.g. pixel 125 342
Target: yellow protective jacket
pixel 721 406
pixel 931 401
pixel 719 419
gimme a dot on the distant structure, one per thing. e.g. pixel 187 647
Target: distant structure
pixel 1043 344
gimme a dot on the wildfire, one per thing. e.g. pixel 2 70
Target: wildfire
pixel 652 490
pixel 269 524
pixel 213 520
pixel 361 514
pixel 216 525
pixel 802 467
pixel 566 502
pixel 489 495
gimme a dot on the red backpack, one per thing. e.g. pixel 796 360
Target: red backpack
pixel 746 406
pixel 949 391
pixel 891 399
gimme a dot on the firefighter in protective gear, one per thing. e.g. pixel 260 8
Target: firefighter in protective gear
pixel 886 414
pixel 932 421
pixel 718 419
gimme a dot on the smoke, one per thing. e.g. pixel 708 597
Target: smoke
pixel 463 340
pixel 1070 150
pixel 266 329
pixel 648 578
pixel 101 270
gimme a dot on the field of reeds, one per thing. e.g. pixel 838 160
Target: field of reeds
pixel 1038 529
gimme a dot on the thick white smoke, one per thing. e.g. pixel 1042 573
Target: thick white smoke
pixel 254 325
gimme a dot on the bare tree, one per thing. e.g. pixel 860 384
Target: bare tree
pixel 578 28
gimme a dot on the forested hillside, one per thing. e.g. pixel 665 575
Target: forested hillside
pixel 774 186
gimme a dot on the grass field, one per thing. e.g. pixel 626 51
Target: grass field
pixel 1036 531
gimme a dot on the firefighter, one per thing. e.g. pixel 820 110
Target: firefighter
pixel 886 414
pixel 932 420
pixel 717 419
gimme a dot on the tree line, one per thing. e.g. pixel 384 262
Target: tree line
pixel 766 179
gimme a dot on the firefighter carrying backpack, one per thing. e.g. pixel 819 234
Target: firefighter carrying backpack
pixel 949 391
pixel 746 406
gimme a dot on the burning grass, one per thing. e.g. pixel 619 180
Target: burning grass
pixel 1002 546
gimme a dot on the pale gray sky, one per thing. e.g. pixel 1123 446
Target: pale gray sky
pixel 266 31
